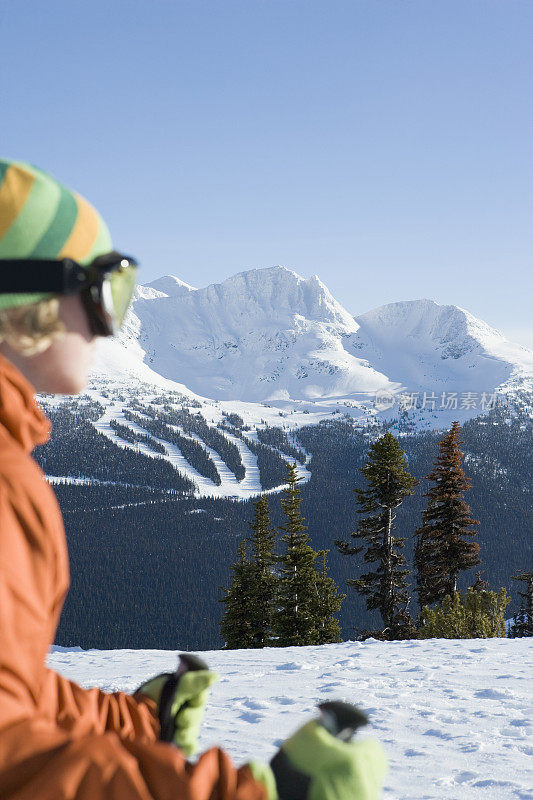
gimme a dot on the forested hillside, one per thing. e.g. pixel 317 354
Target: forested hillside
pixel 148 558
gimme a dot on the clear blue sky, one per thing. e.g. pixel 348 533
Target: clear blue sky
pixel 386 145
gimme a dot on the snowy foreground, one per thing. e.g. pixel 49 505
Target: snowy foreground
pixel 456 717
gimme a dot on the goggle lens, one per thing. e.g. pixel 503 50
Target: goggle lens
pixel 111 282
pixel 122 282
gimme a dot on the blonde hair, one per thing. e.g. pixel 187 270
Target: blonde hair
pixel 31 328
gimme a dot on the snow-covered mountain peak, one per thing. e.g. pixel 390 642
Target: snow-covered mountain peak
pixel 410 340
pixel 261 334
pixel 171 286
pixel 450 328
pixel 271 335
pixel 278 293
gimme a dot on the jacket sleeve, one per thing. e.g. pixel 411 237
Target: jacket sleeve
pixel 49 764
pixel 92 711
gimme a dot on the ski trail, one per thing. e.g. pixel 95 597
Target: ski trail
pixel 252 479
pixel 249 487
pixel 301 470
pixel 230 487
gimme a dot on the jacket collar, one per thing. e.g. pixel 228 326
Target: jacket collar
pixel 19 413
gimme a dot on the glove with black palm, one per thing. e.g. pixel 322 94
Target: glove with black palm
pixel 180 698
pixel 319 762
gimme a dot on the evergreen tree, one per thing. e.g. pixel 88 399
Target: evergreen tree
pixel 385 587
pixel 442 549
pixel 523 621
pixel 306 599
pixel 479 614
pixel 264 581
pixel 328 601
pixel 235 626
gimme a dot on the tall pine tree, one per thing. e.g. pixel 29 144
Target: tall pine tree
pixel 264 580
pixel 385 586
pixel 442 549
pixel 235 626
pixel 306 599
pixel 295 622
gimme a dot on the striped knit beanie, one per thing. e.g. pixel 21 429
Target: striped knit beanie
pixel 39 218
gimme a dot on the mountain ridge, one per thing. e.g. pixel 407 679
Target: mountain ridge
pixel 271 335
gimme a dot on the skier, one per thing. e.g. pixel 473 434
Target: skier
pixel 61 286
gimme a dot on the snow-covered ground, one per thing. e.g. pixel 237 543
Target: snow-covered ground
pixel 455 717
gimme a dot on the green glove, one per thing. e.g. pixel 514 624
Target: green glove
pixel 313 764
pixel 180 698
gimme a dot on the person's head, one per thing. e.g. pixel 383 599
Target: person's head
pixel 61 283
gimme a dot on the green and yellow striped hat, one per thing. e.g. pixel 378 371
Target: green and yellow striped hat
pixel 39 218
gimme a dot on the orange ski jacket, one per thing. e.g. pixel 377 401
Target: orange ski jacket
pixel 57 740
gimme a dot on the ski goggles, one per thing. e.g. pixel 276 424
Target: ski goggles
pixel 105 286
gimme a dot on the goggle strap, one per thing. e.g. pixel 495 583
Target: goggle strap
pixel 19 276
